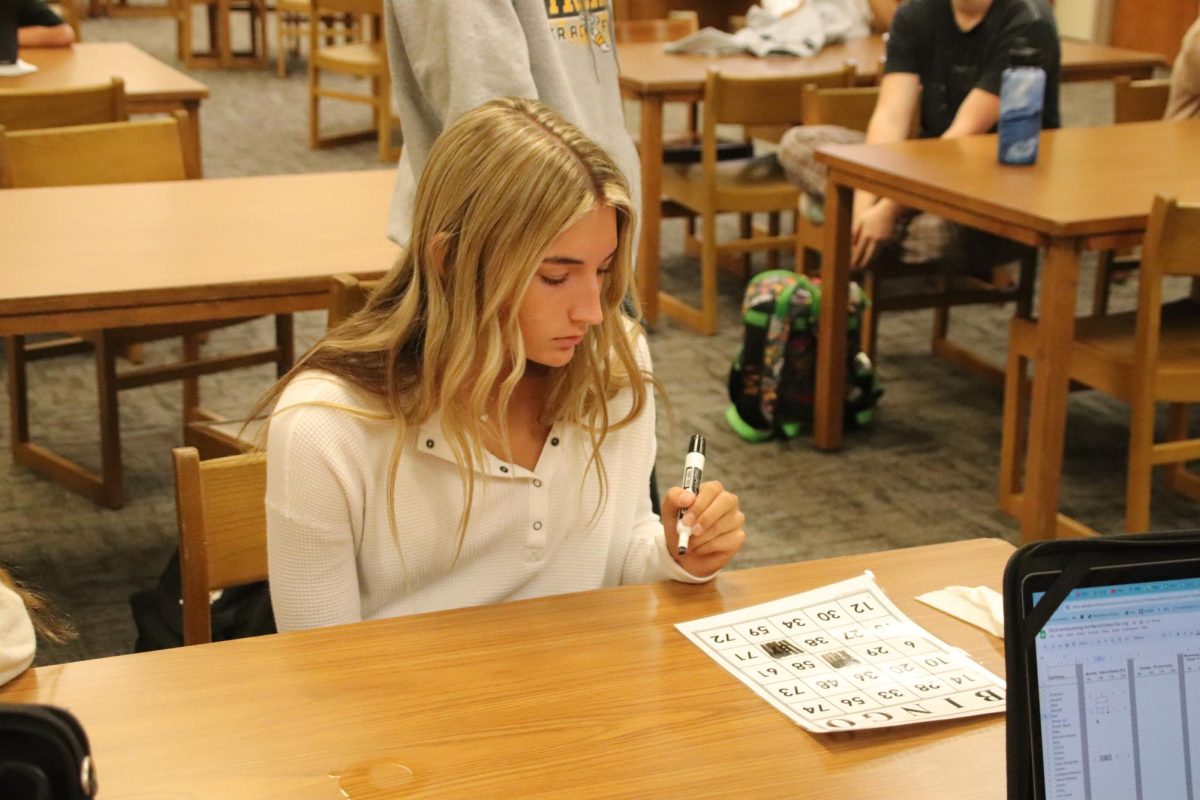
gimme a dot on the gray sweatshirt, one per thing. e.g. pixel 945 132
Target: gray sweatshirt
pixel 448 56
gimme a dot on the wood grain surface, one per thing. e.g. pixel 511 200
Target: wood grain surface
pixel 584 695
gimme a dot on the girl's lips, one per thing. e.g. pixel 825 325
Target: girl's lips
pixel 569 341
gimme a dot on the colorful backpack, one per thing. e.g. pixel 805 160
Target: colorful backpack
pixel 773 376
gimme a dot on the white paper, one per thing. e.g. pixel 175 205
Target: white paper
pixel 21 67
pixel 981 606
pixel 844 657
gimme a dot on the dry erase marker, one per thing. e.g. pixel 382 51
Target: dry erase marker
pixel 693 472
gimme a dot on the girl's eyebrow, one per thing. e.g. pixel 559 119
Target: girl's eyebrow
pixel 569 260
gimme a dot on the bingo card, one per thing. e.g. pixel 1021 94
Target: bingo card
pixel 844 657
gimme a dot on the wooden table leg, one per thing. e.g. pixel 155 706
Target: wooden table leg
pixel 831 333
pixel 192 107
pixel 651 155
pixel 1048 404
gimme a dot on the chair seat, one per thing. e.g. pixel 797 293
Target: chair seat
pixel 364 57
pixel 686 150
pixel 751 185
pixel 1103 354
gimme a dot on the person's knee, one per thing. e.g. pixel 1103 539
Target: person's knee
pixel 797 154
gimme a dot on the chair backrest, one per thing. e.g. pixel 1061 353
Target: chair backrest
pixel 1172 243
pixel 847 107
pixel 1170 247
pixel 222 530
pixel 23 109
pixel 666 29
pixel 112 152
pixel 1140 101
pixel 742 100
pixel 347 294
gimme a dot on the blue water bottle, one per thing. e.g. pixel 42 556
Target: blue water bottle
pixel 1022 92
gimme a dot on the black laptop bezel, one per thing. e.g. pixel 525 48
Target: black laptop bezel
pixel 1101 575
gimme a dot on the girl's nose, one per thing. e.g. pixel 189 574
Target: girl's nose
pixel 588 308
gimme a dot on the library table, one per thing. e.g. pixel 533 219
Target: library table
pixel 651 76
pixel 90 257
pixel 150 85
pixel 81 258
pixel 1091 189
pixel 592 694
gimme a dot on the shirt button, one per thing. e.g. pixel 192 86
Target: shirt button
pixel 554 442
pixel 537 526
pixel 429 443
pixel 537 484
pixel 503 468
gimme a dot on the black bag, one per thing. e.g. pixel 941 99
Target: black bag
pixel 44 754
pixel 1053 569
pixel 773 376
pixel 239 612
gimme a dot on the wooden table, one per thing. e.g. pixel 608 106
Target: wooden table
pixel 585 695
pixel 94 257
pixel 88 257
pixel 150 85
pixel 654 77
pixel 1091 189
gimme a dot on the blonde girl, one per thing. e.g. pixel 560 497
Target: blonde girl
pixel 484 429
pixel 24 615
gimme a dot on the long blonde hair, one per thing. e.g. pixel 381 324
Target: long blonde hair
pixel 47 623
pixel 441 333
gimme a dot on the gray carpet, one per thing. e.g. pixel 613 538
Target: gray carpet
pixel 925 472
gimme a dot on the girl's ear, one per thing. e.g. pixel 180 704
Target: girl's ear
pixel 435 251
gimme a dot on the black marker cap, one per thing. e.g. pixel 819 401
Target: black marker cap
pixel 696 445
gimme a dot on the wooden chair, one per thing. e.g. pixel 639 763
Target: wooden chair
pixel 852 108
pixel 143 150
pixel 222 530
pixel 1133 101
pixel 215 439
pixel 24 109
pixel 219 28
pixel 291 24
pixel 292 19
pixel 361 59
pixel 1144 357
pixel 744 187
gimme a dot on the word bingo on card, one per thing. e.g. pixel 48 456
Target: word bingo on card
pixel 844 657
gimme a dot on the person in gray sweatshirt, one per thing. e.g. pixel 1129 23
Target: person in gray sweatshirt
pixel 449 56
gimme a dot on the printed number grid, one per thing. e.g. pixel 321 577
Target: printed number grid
pixel 851 662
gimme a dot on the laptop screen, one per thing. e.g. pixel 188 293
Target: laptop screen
pixel 1118 678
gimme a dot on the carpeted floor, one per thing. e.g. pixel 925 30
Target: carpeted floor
pixel 926 471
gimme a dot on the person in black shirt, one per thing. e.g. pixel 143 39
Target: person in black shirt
pixel 944 58
pixel 949 54
pixel 38 26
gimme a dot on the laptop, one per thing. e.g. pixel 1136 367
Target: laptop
pixel 1108 640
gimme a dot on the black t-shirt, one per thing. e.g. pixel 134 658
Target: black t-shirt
pixel 924 39
pixel 36 13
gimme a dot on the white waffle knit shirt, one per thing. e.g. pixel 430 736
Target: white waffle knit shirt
pixel 17 640
pixel 333 558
